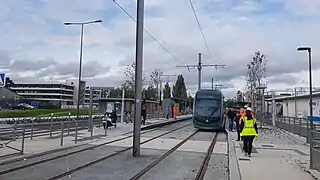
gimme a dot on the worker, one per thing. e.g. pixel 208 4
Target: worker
pixel 249 131
pixel 238 123
pixel 231 115
pixel 175 109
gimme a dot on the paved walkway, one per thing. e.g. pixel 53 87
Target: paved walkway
pixel 45 143
pixel 276 155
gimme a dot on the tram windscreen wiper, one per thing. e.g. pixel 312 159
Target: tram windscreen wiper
pixel 213 109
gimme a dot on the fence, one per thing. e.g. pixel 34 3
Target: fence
pixel 301 127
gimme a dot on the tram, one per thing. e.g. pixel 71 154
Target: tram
pixel 208 110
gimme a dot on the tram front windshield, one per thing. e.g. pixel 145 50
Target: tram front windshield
pixel 207 107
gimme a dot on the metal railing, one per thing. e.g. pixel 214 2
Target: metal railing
pixel 301 127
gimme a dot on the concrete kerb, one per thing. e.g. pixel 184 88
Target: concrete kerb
pixel 234 169
pixel 152 126
pixel 35 154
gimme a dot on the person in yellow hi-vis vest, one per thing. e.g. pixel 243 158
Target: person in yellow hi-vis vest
pixel 249 131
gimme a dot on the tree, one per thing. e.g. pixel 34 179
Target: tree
pixel 115 93
pixel 8 82
pixel 179 89
pixel 239 96
pixel 130 73
pixel 151 93
pixel 256 79
pixel 230 103
pixel 166 91
pixel 154 78
pixel 190 101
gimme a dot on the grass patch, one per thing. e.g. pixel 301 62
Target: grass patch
pixel 43 113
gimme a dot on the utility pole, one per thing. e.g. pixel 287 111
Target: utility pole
pixel 158 74
pixel 199 66
pixel 212 83
pixel 138 79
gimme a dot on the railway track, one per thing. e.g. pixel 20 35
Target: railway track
pixel 70 171
pixel 67 173
pixel 203 168
pixel 61 150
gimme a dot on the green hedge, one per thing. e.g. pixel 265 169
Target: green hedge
pixel 42 112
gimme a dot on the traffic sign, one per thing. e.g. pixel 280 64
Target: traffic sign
pixel 2 79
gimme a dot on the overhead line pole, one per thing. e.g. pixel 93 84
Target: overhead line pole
pixel 199 66
pixel 138 79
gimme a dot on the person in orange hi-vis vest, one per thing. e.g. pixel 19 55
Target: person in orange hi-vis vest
pixel 175 111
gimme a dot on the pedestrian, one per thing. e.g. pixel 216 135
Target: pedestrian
pixel 143 114
pixel 231 116
pixel 249 131
pixel 238 123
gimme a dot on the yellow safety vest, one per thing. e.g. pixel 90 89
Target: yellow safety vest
pixel 248 129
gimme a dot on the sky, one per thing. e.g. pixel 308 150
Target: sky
pixel 37 46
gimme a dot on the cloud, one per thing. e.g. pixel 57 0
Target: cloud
pixel 31 65
pixel 36 42
pixel 284 79
pixel 4 58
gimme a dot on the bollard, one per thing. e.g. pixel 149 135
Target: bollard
pixel 22 143
pixel 31 134
pixel 51 125
pixel 91 133
pixel 76 135
pixel 15 130
pixel 300 130
pixel 105 128
pixel 294 124
pixel 61 140
pixel 308 132
pixel 69 123
pixel 289 124
pixel 100 121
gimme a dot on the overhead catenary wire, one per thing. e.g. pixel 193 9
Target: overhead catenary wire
pixel 154 38
pixel 201 31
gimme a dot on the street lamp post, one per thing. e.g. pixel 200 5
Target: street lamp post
pixel 310 101
pixel 80 59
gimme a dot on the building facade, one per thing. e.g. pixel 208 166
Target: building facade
pixel 56 93
pixel 76 86
pixel 298 105
pixel 96 96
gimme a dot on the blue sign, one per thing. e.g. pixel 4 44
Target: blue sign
pixel 2 79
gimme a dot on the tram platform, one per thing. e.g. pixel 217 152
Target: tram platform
pixel 275 155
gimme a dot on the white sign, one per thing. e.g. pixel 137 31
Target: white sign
pixel 109 107
pixel 316 108
pixel 2 79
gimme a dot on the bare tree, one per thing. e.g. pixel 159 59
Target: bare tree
pixel 130 73
pixel 154 78
pixel 239 96
pixel 256 79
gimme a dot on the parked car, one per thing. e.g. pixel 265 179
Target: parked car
pixel 26 106
pixel 20 106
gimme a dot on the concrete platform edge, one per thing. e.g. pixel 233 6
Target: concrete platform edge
pixel 165 123
pixel 234 170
